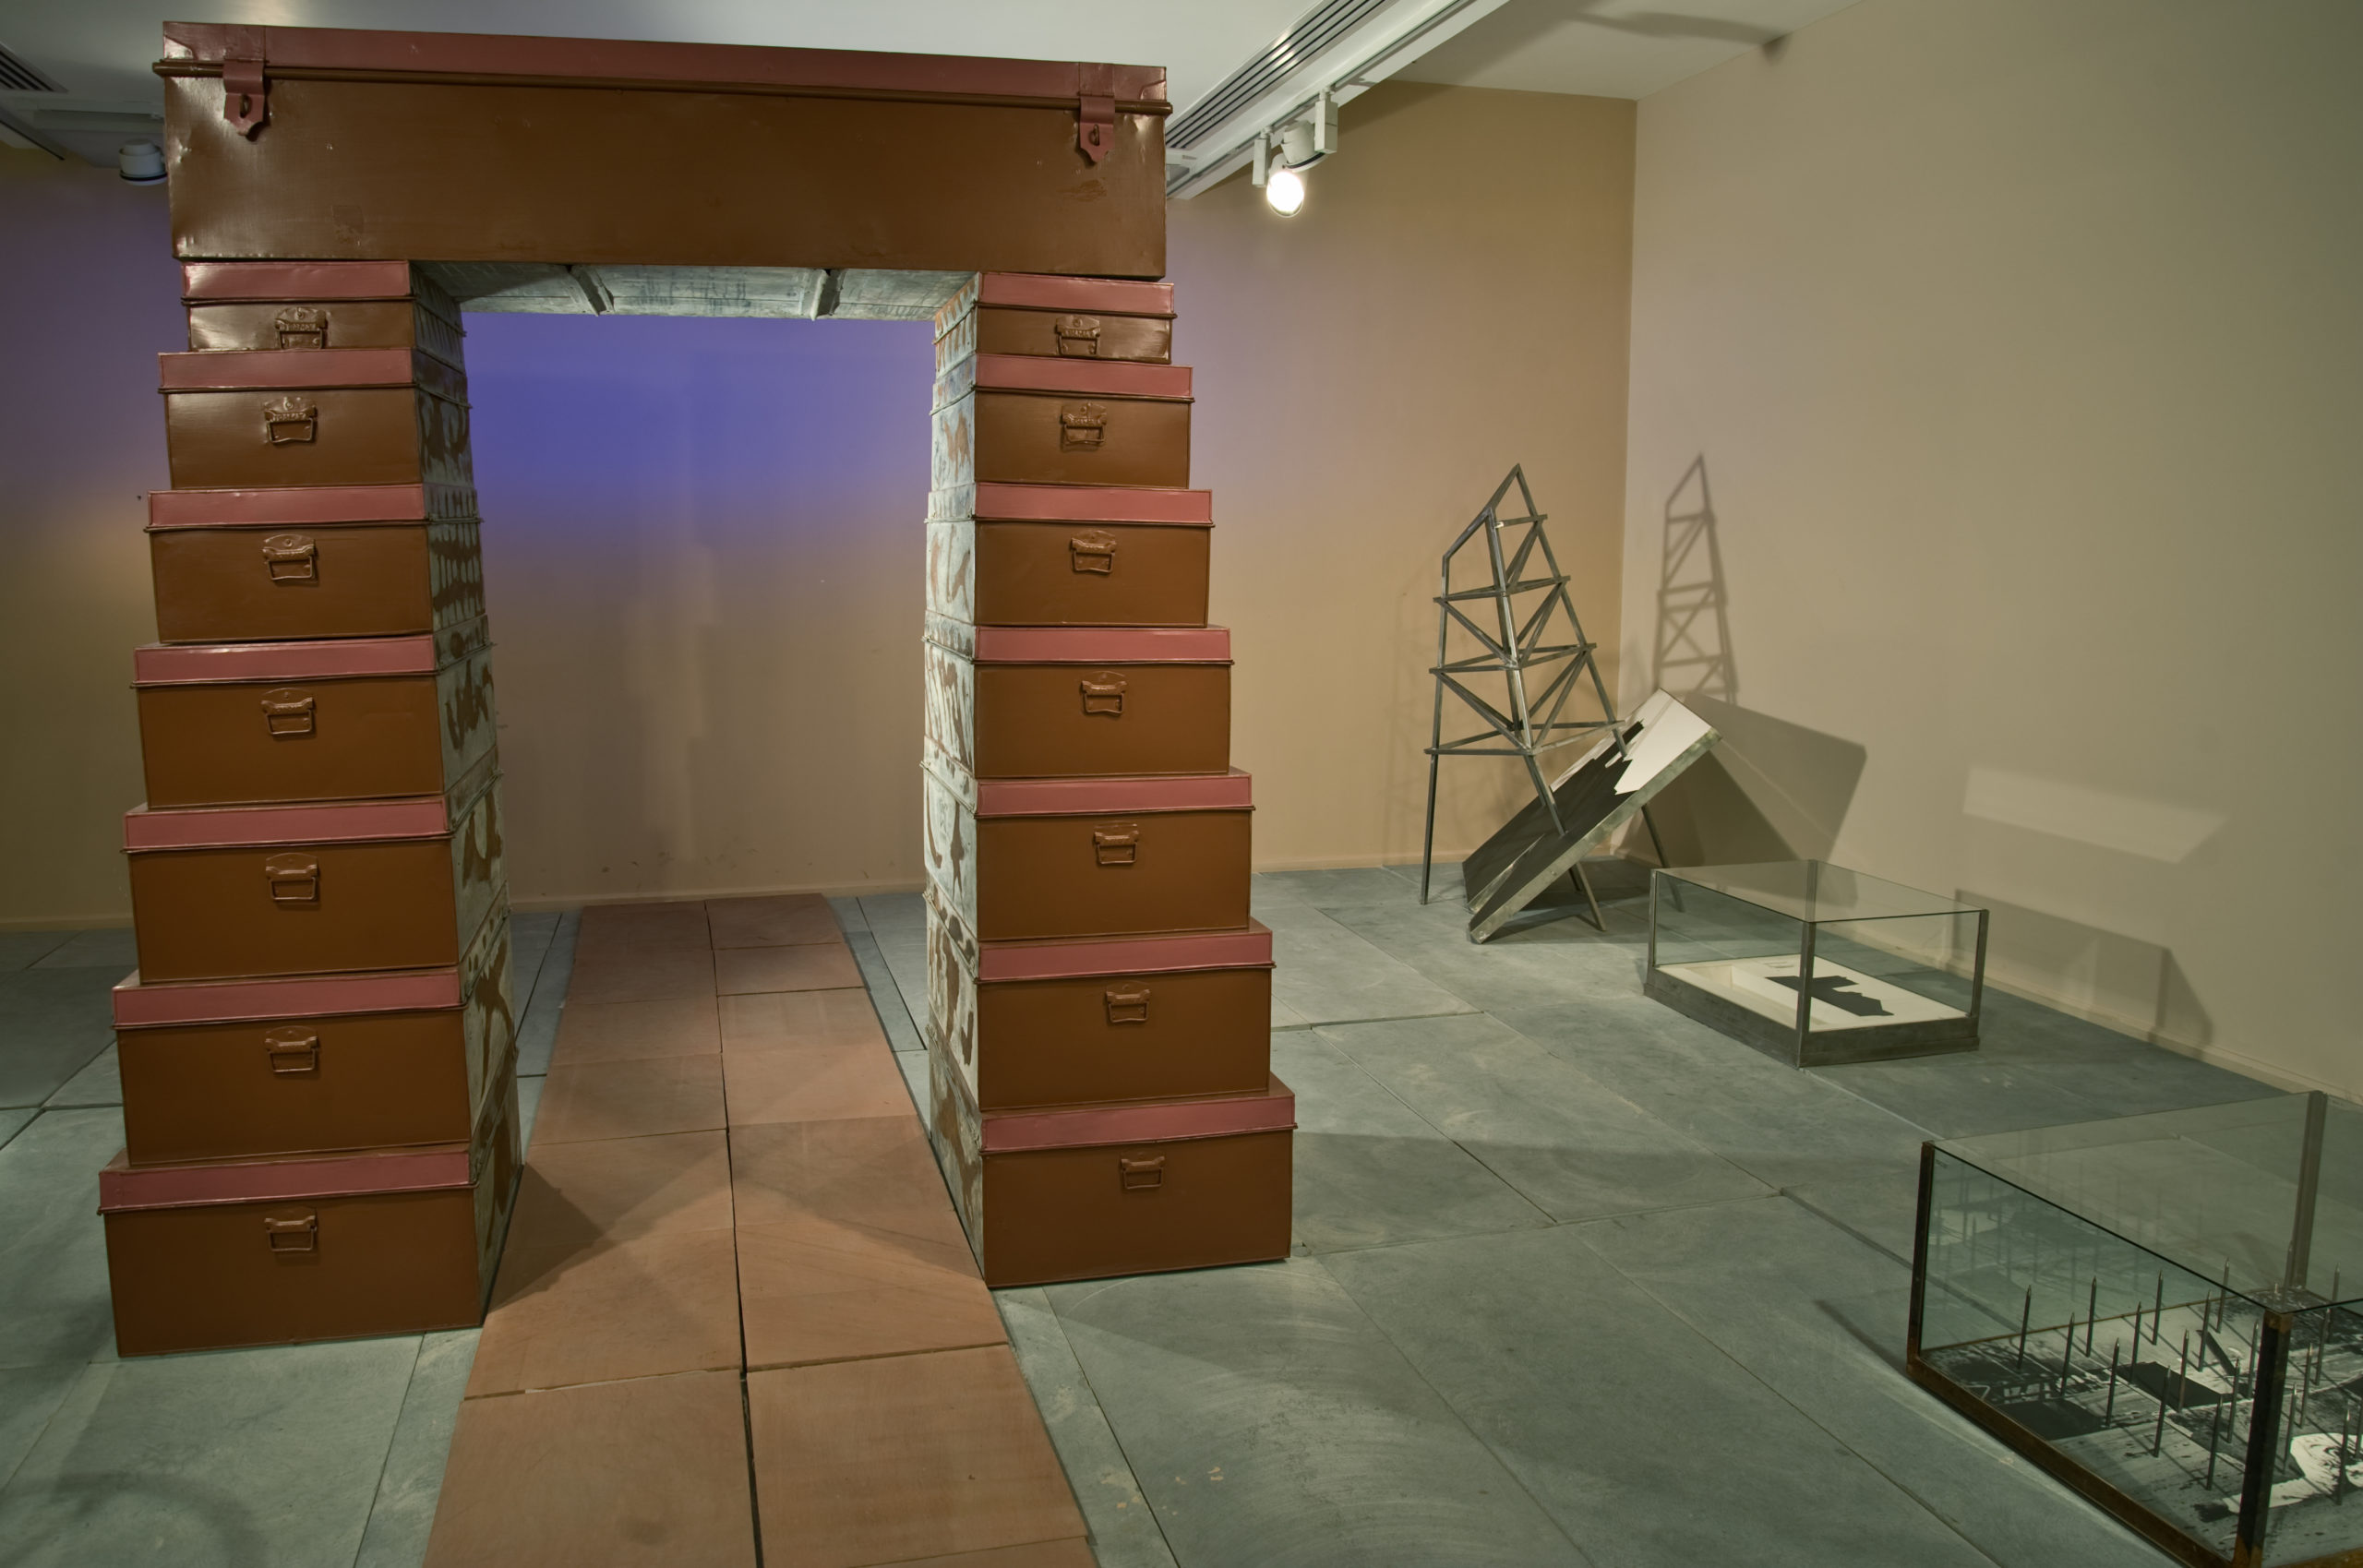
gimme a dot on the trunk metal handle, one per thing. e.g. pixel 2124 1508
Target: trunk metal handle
pixel 1127 1004
pixel 1141 1175
pixel 290 422
pixel 300 1234
pixel 1078 336
pixel 1093 551
pixel 288 710
pixel 1104 694
pixel 292 1052
pixel 1082 426
pixel 294 878
pixel 1116 846
pixel 291 557
pixel 303 327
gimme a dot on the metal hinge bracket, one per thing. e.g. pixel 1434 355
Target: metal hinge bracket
pixel 1095 127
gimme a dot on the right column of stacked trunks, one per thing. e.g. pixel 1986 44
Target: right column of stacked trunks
pixel 318 1049
pixel 1099 998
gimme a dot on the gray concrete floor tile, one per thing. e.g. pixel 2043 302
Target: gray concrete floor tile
pixel 895 911
pixel 1558 964
pixel 1882 1212
pixel 15 1120
pixel 1286 1017
pixel 29 1397
pixel 529 946
pixel 1650 1447
pixel 1270 1423
pixel 21 949
pixel 904 953
pixel 106 947
pixel 1781 1126
pixel 544 997
pixel 51 1023
pixel 1965 1093
pixel 54 1302
pixel 135 1468
pixel 100 1083
pixel 529 1101
pixel 1324 974
pixel 911 1065
pixel 403 1510
pixel 849 916
pixel 885 993
pixel 1443 882
pixel 1818 1317
pixel 1370 1171
pixel 1569 1144
pixel 1344 885
pixel 1123 1526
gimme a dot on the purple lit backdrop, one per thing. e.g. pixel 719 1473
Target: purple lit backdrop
pixel 703 559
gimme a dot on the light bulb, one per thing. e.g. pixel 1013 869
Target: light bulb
pixel 141 162
pixel 1285 190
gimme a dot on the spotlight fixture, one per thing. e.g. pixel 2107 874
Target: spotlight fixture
pixel 141 162
pixel 1282 153
pixel 1284 189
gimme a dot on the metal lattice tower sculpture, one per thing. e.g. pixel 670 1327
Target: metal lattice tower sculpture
pixel 1514 614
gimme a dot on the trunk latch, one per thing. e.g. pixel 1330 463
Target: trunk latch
pixel 288 421
pixel 1104 693
pixel 1093 551
pixel 1116 846
pixel 1127 1004
pixel 294 878
pixel 287 711
pixel 291 557
pixel 1082 426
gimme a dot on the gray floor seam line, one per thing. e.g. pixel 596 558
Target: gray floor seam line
pixel 42 1431
pixel 379 1491
pixel 38 1112
pixel 1443 1399
pixel 1806 1416
pixel 1114 1436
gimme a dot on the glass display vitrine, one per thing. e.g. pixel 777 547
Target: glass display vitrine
pixel 1816 963
pixel 2162 1311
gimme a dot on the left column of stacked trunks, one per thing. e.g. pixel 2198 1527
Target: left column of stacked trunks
pixel 319 1048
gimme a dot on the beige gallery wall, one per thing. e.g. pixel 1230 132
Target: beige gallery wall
pixel 2017 342
pixel 91 297
pixel 702 550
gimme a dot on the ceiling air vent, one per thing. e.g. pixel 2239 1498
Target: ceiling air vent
pixel 15 76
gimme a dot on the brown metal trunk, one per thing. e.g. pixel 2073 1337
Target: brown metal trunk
pixel 349 719
pixel 1128 1018
pixel 1018 420
pixel 358 562
pixel 237 305
pixel 211 1256
pixel 1090 1193
pixel 314 417
pixel 227 892
pixel 1054 555
pixel 277 1069
pixel 1091 857
pixel 1010 702
pixel 1057 318
pixel 478 148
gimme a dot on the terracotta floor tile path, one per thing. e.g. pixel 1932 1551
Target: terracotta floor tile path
pixel 736 1320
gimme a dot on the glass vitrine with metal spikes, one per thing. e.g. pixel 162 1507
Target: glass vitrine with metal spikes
pixel 2166 1313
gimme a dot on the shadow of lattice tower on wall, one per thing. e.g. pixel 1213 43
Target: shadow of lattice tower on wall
pixel 1693 653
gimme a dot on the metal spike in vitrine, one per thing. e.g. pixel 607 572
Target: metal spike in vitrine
pixel 1513 614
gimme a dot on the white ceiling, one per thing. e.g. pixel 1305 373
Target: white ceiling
pixel 1610 48
pixel 99 50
